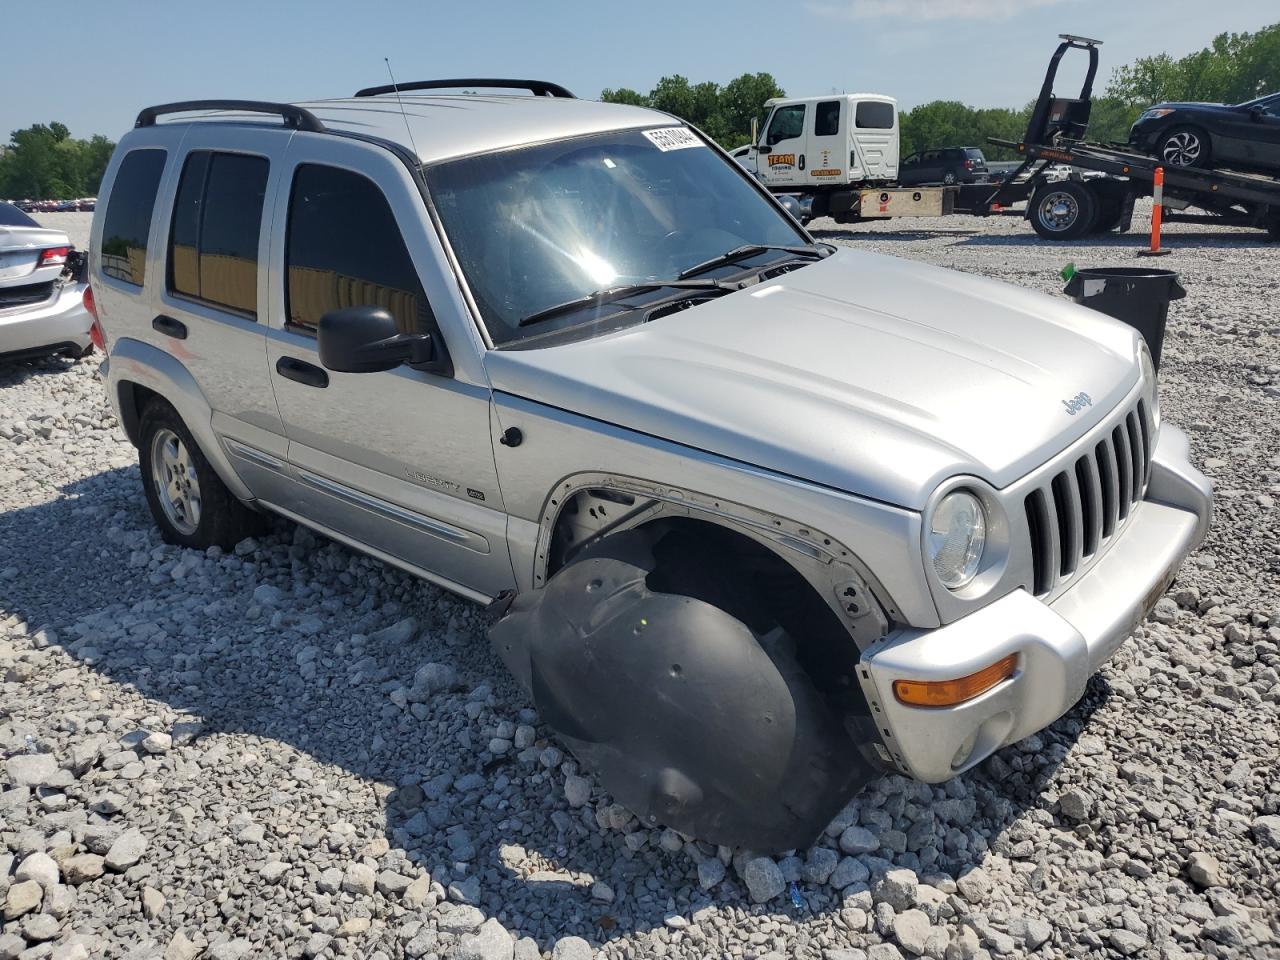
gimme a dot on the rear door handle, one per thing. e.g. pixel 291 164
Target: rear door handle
pixel 169 327
pixel 292 368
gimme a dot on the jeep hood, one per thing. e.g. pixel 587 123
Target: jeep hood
pixel 874 375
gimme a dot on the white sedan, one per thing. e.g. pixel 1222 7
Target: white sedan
pixel 42 293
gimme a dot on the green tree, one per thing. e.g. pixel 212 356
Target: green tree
pixel 1233 68
pixel 724 113
pixel 44 161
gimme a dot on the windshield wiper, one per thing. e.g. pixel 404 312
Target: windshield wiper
pixel 750 250
pixel 610 294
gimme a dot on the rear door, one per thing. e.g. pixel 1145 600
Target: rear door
pixel 826 161
pixel 211 309
pixel 781 154
pixel 399 462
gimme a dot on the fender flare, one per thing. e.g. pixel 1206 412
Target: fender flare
pixel 836 573
pixel 136 363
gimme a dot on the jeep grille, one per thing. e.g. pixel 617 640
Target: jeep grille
pixel 1074 515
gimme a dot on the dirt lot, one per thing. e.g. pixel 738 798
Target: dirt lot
pixel 243 756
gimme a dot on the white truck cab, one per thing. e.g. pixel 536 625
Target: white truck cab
pixel 823 142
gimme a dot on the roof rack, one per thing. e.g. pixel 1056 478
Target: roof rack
pixel 296 117
pixel 539 88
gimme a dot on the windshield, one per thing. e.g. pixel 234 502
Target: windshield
pixel 540 226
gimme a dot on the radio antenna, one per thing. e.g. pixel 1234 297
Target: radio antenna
pixel 407 128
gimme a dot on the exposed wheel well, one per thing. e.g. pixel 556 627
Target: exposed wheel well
pixel 134 398
pixel 710 562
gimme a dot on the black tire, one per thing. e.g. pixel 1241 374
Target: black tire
pixel 949 177
pixel 1184 147
pixel 1110 211
pixel 1065 210
pixel 215 517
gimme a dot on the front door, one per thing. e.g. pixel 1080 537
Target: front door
pixel 399 461
pixel 1252 138
pixel 781 158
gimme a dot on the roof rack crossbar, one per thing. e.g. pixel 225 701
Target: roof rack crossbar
pixel 539 88
pixel 296 117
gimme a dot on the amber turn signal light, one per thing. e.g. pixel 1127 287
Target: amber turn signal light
pixel 947 693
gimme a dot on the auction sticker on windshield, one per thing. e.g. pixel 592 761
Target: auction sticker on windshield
pixel 672 138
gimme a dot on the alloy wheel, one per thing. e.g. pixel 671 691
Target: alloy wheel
pixel 1182 149
pixel 176 483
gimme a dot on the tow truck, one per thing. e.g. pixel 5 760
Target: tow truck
pixel 1103 180
pixel 1070 187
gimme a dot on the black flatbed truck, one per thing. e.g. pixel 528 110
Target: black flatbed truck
pixel 1064 208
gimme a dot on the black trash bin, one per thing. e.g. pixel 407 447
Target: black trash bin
pixel 1134 295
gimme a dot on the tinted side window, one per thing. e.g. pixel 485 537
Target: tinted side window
pixel 344 249
pixel 787 122
pixel 128 219
pixel 874 115
pixel 826 120
pixel 216 220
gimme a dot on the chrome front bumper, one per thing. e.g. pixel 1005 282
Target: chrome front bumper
pixel 1059 645
pixel 59 323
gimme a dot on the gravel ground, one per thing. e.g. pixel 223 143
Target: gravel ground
pixel 293 750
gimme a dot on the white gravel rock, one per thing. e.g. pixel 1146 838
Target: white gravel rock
pixel 572 948
pixel 764 879
pixel 31 770
pixel 41 868
pixel 125 851
pixel 490 942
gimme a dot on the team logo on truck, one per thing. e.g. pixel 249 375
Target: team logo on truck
pixel 782 159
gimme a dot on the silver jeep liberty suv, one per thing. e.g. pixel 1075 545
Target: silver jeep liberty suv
pixel 759 518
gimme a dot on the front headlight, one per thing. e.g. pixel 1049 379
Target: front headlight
pixel 1150 383
pixel 1155 113
pixel 956 536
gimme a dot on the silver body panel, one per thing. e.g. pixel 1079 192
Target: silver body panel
pixel 62 319
pixel 20 255
pixel 873 375
pixel 1058 645
pixel 822 412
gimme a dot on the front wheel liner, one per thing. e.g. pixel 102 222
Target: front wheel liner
pixel 687 717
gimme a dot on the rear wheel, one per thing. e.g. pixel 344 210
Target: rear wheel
pixel 1063 211
pixel 949 177
pixel 190 503
pixel 1184 147
pixel 1110 211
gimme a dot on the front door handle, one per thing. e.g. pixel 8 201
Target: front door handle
pixel 169 327
pixel 292 368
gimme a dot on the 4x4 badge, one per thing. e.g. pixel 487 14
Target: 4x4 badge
pixel 1077 403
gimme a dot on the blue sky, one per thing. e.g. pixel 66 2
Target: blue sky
pixel 93 66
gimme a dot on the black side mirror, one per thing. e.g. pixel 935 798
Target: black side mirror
pixel 1257 114
pixel 365 340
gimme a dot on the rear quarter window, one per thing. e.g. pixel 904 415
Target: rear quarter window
pixel 874 115
pixel 128 219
